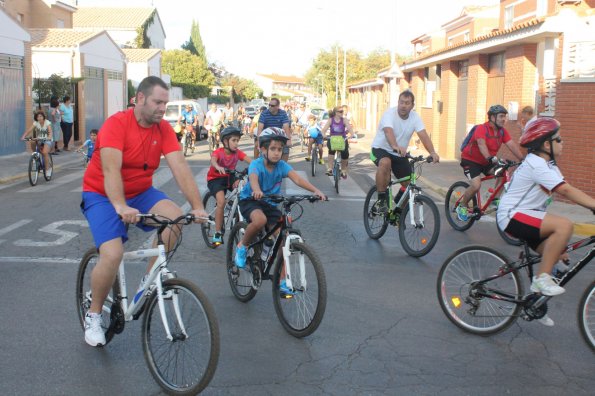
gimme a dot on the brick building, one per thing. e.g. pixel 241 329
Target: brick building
pixel 538 53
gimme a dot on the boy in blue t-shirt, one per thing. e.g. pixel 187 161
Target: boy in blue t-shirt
pixel 315 137
pixel 90 143
pixel 265 176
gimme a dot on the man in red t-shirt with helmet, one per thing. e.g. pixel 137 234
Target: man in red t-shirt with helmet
pixel 118 184
pixel 479 156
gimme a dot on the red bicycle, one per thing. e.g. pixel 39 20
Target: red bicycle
pixel 456 191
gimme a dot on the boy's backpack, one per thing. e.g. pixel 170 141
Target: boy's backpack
pixel 469 136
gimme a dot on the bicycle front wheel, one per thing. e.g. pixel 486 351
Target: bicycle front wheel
pixel 586 315
pixel 33 170
pixel 300 312
pixel 185 364
pixel 240 280
pixel 50 171
pixel 418 231
pixel 208 231
pixel 314 160
pixel 84 297
pixel 462 291
pixel 453 197
pixel 337 175
pixel 375 222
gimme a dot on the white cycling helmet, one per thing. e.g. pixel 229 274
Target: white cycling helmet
pixel 272 133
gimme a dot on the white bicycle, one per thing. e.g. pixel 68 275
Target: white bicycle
pixel 180 332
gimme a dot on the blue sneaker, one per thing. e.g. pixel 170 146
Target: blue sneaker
pixel 217 239
pixel 285 291
pixel 462 213
pixel 240 259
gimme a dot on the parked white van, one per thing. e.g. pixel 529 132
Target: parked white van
pixel 173 111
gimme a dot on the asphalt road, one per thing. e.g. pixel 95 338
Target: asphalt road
pixel 383 332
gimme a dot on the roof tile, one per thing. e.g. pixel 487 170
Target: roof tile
pixel 64 38
pixel 140 54
pixel 111 17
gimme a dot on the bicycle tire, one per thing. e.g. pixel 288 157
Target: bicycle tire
pixel 185 145
pixel 47 176
pixel 455 192
pixel 33 170
pixel 83 292
pixel 456 296
pixel 508 238
pixel 336 175
pixel 375 223
pixel 299 315
pixel 195 343
pixel 416 240
pixel 586 315
pixel 240 280
pixel 314 160
pixel 208 231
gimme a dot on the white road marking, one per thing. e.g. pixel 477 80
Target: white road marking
pixel 14 226
pixel 37 260
pixel 64 236
pixel 60 180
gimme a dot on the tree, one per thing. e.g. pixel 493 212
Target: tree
pixel 55 85
pixel 194 43
pixel 242 89
pixel 188 71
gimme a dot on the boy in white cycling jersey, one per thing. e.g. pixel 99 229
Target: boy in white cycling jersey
pixel 522 209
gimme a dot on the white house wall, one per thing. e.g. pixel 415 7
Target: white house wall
pixel 46 63
pixel 155 33
pixel 155 66
pixel 115 97
pixel 136 71
pixel 12 36
pixel 123 37
pixel 103 52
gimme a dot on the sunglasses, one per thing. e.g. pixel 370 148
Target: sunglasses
pixel 339 111
pixel 557 139
pixel 272 105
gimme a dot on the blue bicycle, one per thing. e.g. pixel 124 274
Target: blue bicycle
pixel 37 163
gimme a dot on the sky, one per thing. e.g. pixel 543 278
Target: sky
pixel 264 36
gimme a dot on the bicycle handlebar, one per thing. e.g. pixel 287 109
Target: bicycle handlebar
pixel 187 218
pixel 236 173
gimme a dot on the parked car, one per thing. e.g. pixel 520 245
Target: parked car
pixel 318 112
pixel 250 111
pixel 173 111
pixel 257 103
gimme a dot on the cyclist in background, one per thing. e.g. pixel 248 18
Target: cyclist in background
pixel 522 208
pixel 278 118
pixel 254 130
pixel 218 181
pixel 337 126
pixel 389 146
pixel 89 144
pixel 315 136
pixel 214 119
pixel 42 131
pixel 479 156
pixel 189 118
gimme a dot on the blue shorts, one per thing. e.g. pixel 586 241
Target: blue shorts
pixel 318 139
pixel 104 222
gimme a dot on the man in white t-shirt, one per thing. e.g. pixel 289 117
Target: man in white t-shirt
pixel 389 146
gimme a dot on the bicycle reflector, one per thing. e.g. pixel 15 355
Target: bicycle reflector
pixel 456 301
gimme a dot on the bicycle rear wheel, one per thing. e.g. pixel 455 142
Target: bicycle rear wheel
pixel 84 297
pixel 453 196
pixel 375 222
pixel 337 174
pixel 50 171
pixel 186 364
pixel 586 315
pixel 508 238
pixel 419 239
pixel 33 170
pixel 300 313
pixel 460 290
pixel 240 280
pixel 208 230
pixel 185 145
pixel 314 159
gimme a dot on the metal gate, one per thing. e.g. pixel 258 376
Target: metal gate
pixel 461 122
pixel 94 115
pixel 12 103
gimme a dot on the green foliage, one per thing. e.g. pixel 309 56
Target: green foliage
pixel 194 43
pixel 187 71
pixel 131 91
pixel 55 85
pixel 218 99
pixel 142 40
pixel 242 89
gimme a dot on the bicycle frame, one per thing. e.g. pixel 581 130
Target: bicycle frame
pixel 494 194
pixel 409 194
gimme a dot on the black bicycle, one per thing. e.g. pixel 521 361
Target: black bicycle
pixel 480 290
pixel 301 310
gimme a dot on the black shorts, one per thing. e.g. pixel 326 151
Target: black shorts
pixel 526 227
pixel 220 184
pixel 473 169
pixel 399 165
pixel 247 206
pixel 344 153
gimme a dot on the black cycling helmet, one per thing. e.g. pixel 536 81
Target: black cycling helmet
pixel 272 133
pixel 497 109
pixel 230 131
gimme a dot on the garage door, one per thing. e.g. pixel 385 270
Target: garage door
pixel 12 103
pixel 93 98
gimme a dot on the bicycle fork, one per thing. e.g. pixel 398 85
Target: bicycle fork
pixel 301 265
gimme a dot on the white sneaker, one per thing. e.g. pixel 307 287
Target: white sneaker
pixel 545 285
pixel 546 321
pixel 94 334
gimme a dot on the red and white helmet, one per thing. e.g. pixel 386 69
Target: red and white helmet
pixel 537 131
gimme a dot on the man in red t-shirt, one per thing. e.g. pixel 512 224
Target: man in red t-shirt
pixel 479 156
pixel 118 184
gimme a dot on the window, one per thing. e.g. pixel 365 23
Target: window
pixel 463 69
pixel 541 8
pixel 430 80
pixel 21 18
pixel 496 64
pixel 449 41
pixel 60 23
pixel 466 36
pixel 508 16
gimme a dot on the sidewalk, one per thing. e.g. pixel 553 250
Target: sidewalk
pixel 15 167
pixel 439 178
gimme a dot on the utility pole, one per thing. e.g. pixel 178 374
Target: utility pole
pixel 336 74
pixel 344 96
